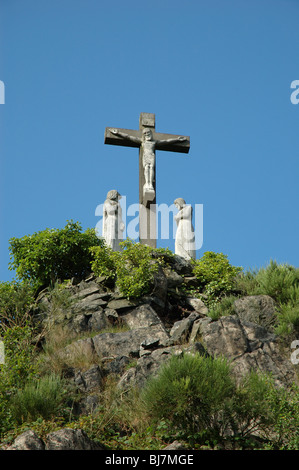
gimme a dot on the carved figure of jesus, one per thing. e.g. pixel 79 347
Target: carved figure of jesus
pixel 148 145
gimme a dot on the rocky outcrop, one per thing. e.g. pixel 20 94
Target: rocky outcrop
pixel 29 440
pixel 156 326
pixel 249 346
pixel 259 309
pixel 63 439
pixel 164 323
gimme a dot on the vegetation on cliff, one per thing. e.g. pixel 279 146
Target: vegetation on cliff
pixel 194 399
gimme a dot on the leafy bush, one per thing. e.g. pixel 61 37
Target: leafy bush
pixel 19 363
pixel 15 301
pixel 103 261
pixel 40 398
pixel 133 267
pixel 284 404
pixel 287 320
pixel 199 400
pixel 190 392
pixel 279 281
pixel 53 254
pixel 216 275
pixel 249 409
pixel 222 308
pixel 19 367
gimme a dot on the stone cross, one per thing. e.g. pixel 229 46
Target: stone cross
pixel 148 141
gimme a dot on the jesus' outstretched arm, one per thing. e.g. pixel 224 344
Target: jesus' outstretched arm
pixel 132 138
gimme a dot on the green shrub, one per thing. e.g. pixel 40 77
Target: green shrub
pixel 216 275
pixel 53 254
pixel 190 392
pixel 279 281
pixel 20 354
pixel 103 261
pixel 199 400
pixel 40 398
pixel 287 320
pixel 133 267
pixel 222 308
pixel 15 301
pixel 249 409
pixel 19 366
pixel 284 403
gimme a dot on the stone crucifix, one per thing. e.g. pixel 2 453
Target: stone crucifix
pixel 148 141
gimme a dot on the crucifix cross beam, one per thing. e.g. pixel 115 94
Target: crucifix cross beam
pixel 148 141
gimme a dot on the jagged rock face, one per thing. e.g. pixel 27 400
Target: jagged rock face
pixel 94 304
pixel 64 439
pixel 259 309
pixel 162 324
pixel 246 338
pixel 249 346
pixel 27 441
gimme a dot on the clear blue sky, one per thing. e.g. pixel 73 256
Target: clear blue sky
pixel 218 71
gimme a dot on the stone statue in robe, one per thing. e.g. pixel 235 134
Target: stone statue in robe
pixel 185 236
pixel 113 225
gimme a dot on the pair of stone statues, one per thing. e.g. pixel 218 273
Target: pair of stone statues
pixel 113 225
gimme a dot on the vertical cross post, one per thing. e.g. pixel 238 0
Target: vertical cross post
pixel 148 141
pixel 147 199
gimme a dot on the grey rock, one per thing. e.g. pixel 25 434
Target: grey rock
pixel 98 321
pixel 116 366
pixel 121 304
pixel 159 291
pixel 126 343
pixel 198 305
pixel 71 439
pixel 143 316
pixel 173 278
pixel 111 314
pixel 195 331
pixel 148 365
pixel 90 379
pixel 27 441
pixel 198 328
pixel 175 445
pixel 181 265
pixel 181 329
pixel 79 323
pixel 87 405
pixel 249 347
pixel 90 303
pixel 258 309
pixel 86 291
